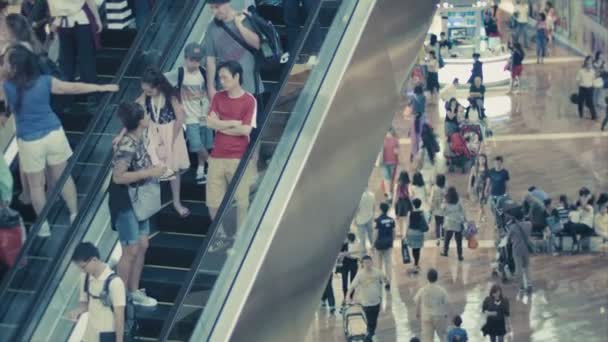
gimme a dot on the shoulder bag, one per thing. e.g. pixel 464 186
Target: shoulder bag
pixel 145 199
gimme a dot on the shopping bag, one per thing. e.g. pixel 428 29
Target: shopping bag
pixel 472 243
pixel 405 252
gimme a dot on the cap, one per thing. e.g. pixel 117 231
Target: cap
pixel 194 51
pixel 217 2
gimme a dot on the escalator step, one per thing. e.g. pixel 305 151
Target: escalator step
pixel 173 250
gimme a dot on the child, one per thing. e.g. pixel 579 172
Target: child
pixel 457 334
pixel 191 83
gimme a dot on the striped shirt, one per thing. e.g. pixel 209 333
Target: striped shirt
pixel 562 212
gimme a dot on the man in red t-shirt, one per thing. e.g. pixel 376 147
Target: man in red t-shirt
pixel 232 116
pixel 390 161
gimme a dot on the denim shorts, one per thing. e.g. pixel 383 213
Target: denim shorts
pixel 199 137
pixel 129 229
pixel 387 171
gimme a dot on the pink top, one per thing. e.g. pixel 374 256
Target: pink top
pixel 390 151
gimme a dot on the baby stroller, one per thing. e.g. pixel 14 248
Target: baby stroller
pixel 504 266
pixel 355 323
pixel 463 147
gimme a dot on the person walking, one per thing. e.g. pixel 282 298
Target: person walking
pixel 438 192
pixel 496 185
pixel 328 296
pixel 477 183
pixel 40 136
pixel 402 202
pixel 496 309
pixel 519 233
pixel 522 12
pixel 517 66
pixel 541 38
pixel 365 217
pixel 417 226
pixel 389 162
pixel 385 235
pixel 432 307
pixel 367 286
pixel 350 255
pixel 455 219
pixel 584 79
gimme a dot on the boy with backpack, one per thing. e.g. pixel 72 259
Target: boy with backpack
pixel 102 296
pixel 191 82
pixel 385 234
pixel 457 334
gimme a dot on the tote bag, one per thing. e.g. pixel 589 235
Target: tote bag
pixel 145 199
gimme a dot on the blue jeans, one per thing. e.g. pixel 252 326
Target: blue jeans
pixel 541 46
pixel 520 32
pixel 130 231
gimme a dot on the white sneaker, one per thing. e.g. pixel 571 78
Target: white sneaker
pixel 201 176
pixel 45 230
pixel 140 298
pixel 285 58
pixel 312 60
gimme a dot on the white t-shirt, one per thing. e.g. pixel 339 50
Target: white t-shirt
pixel 101 317
pixel 522 11
pixel 368 287
pixel 433 301
pixel 585 77
pixel 71 10
pixel 193 94
pixel 365 213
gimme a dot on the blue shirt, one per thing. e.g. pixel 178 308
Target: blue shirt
pixel 385 225
pixel 35 118
pixel 457 335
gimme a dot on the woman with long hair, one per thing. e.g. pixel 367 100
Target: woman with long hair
pixel 496 309
pixel 437 198
pixel 432 76
pixel 541 38
pixel 477 181
pixel 418 190
pixel 40 137
pixel 452 109
pixel 167 143
pixel 402 202
pixel 454 220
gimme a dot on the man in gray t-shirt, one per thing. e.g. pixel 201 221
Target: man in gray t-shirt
pixel 221 47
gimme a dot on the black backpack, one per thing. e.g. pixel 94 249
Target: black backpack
pixel 104 298
pixel 270 52
pixel 181 74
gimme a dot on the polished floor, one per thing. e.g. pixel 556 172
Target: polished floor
pixel 544 143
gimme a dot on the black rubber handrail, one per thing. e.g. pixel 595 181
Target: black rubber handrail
pixel 96 199
pixel 57 189
pixel 171 320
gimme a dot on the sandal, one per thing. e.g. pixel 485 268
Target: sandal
pixel 185 212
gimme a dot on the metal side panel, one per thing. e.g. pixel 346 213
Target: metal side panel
pixel 277 290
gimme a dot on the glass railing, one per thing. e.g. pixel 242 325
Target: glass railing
pixel 232 231
pixel 23 287
pixel 62 288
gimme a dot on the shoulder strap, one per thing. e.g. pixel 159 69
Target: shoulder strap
pixel 236 37
pixel 180 77
pixel 106 288
pixel 86 286
pixel 203 72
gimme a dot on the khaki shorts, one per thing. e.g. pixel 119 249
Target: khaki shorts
pixel 52 149
pixel 219 176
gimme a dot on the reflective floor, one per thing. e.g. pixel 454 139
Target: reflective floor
pixel 544 143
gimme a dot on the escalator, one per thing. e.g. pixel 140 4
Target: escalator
pixel 320 140
pixel 181 239
pixel 90 135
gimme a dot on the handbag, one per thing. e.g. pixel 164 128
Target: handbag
pixel 470 230
pixel 472 242
pixel 145 199
pixel 405 252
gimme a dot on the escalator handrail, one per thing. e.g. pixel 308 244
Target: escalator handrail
pixel 170 321
pixel 64 260
pixel 76 236
pixel 57 189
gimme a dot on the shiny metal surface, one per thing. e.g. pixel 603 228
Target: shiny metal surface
pixel 289 261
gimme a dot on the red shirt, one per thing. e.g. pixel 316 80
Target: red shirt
pixel 389 154
pixel 243 109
